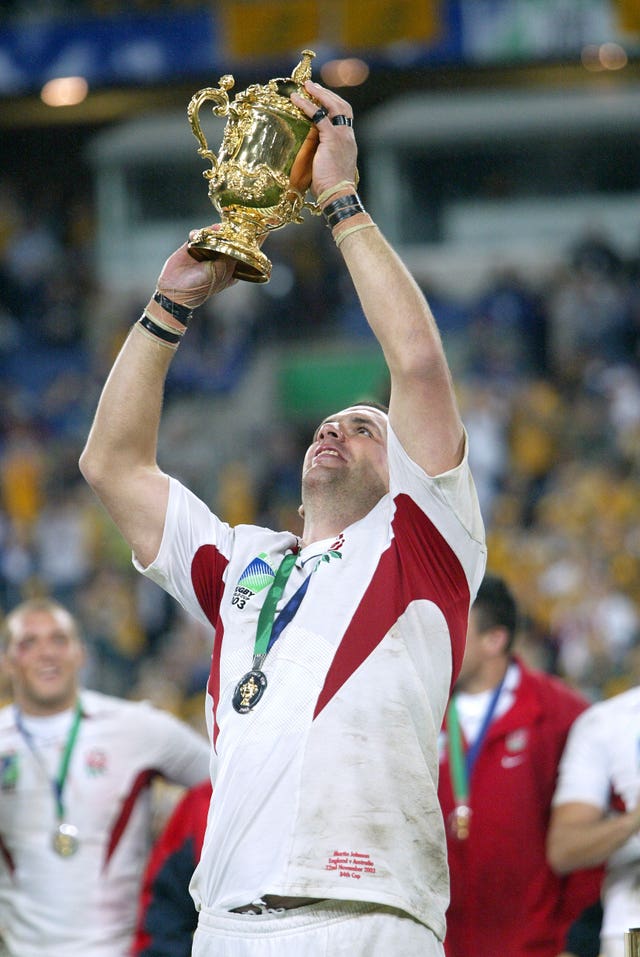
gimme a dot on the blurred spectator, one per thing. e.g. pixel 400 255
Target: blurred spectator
pixel 486 419
pixel 115 640
pixel 508 324
pixel 588 309
pixel 64 518
pixel 236 498
pixel 506 727
pixel 583 938
pixel 21 476
pixel 167 916
pixel 535 423
pixel 279 485
pixel 75 813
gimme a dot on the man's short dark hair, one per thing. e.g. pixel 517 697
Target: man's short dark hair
pixel 495 607
pixel 373 404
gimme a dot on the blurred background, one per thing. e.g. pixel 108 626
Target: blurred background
pixel 499 144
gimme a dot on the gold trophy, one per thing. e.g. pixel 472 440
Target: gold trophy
pixel 259 179
pixel 632 942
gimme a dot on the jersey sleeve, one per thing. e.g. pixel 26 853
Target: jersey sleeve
pixel 190 526
pixel 179 753
pixel 583 774
pixel 449 500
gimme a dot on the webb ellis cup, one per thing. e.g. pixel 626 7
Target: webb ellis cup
pixel 259 178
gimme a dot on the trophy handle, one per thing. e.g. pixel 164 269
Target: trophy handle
pixel 219 97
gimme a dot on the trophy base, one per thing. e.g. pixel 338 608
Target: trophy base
pixel 253 265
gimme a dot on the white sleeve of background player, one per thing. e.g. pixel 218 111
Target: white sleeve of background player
pixel 176 750
pixel 189 524
pixel 584 773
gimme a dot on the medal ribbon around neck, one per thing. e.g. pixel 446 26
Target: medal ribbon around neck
pixel 251 687
pixel 270 627
pixel 57 783
pixel 461 765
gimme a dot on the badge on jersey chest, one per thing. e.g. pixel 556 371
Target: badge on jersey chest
pixel 8 771
pixel 257 575
pixel 249 690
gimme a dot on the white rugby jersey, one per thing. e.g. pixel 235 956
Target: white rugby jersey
pixel 327 788
pixel 601 766
pixel 84 905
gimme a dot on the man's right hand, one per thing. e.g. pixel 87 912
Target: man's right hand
pixel 190 282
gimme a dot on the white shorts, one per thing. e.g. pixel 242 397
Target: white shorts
pixel 327 929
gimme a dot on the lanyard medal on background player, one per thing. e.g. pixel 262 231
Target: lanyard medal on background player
pixel 251 687
pixel 65 839
pixel 461 765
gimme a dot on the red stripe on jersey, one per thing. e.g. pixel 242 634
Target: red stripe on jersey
pixel 616 802
pixel 213 684
pixel 419 564
pixel 142 781
pixel 207 569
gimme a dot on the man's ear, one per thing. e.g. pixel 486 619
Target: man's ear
pixel 301 511
pixel 496 640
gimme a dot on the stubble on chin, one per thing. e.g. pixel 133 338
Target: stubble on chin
pixel 343 493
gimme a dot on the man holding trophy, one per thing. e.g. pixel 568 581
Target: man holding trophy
pixel 334 653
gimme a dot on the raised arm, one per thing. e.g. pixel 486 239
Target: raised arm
pixel 423 409
pixel 119 459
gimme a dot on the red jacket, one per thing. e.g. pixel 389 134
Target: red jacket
pixel 167 916
pixel 505 900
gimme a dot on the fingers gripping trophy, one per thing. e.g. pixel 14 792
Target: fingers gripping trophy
pixel 259 178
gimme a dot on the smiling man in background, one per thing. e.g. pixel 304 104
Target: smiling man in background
pixel 75 806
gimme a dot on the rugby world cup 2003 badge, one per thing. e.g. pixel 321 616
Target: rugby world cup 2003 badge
pixel 257 575
pixel 8 771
